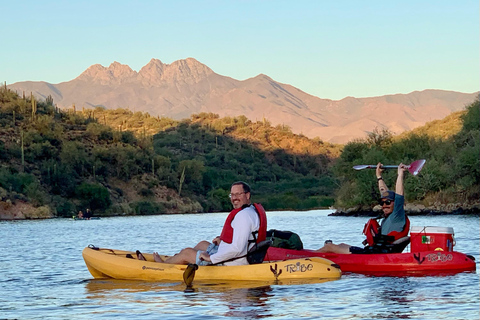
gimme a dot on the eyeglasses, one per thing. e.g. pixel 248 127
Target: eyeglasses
pixel 231 195
pixel 387 202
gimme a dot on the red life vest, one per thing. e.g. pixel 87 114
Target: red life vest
pixel 372 231
pixel 227 231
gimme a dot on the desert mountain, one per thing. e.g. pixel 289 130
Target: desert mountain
pixel 187 87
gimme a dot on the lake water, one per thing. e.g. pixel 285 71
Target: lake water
pixel 43 275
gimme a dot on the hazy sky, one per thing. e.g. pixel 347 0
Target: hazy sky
pixel 330 49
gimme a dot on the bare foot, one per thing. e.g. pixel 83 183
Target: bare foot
pixel 157 257
pixel 140 256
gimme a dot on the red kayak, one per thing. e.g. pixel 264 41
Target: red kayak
pixel 431 253
pixel 426 262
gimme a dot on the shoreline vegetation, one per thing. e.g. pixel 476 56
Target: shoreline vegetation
pixel 55 163
pixel 413 210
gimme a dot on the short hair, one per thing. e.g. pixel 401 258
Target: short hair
pixel 245 186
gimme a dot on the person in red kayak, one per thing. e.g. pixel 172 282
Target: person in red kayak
pixel 244 226
pixel 394 226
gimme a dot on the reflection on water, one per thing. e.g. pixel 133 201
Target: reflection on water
pixel 95 286
pixel 398 293
pixel 240 298
pixel 248 302
pixel 398 296
pixel 236 298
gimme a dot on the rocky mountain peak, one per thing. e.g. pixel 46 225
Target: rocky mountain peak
pixel 152 72
pixel 187 70
pixel 118 70
pixel 184 71
pixel 115 73
pixel 92 71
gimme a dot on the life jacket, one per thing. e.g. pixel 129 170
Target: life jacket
pixel 372 231
pixel 260 235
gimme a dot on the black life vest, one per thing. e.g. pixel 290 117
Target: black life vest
pixel 373 232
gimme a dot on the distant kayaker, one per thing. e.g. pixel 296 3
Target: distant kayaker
pixel 242 227
pixel 394 226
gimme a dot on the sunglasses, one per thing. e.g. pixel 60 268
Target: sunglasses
pixel 387 202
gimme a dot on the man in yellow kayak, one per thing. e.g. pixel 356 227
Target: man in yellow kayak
pixel 244 226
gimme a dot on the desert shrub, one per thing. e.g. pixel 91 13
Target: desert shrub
pixel 148 208
pixel 94 196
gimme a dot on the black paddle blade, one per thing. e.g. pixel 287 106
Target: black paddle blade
pixel 189 274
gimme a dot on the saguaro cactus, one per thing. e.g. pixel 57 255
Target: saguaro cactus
pixel 34 106
pixel 49 100
pixel 182 178
pixel 23 149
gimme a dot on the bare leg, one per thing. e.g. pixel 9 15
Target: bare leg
pixel 202 245
pixel 335 248
pixel 140 256
pixel 186 256
pixel 157 257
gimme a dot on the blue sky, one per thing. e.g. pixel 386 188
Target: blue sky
pixel 330 49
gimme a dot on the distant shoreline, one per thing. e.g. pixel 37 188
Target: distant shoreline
pixel 363 212
pixel 351 212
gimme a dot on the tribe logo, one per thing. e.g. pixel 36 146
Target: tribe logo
pixel 298 267
pixel 440 257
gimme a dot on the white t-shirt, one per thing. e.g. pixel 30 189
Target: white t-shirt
pixel 245 222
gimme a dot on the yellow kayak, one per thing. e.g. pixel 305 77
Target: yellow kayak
pixel 110 263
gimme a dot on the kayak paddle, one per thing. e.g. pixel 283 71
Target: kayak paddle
pixel 414 168
pixel 189 274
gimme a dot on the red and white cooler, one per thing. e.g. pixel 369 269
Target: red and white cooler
pixel 431 239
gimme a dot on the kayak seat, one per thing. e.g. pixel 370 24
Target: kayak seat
pixel 400 244
pixel 257 253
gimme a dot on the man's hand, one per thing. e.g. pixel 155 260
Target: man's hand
pixel 379 170
pixel 216 241
pixel 205 256
pixel 402 168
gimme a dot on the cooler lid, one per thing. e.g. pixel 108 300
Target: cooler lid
pixel 429 229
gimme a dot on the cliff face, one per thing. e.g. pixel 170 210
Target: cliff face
pixel 187 87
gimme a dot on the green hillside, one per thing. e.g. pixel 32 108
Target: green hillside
pixel 112 162
pixel 440 129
